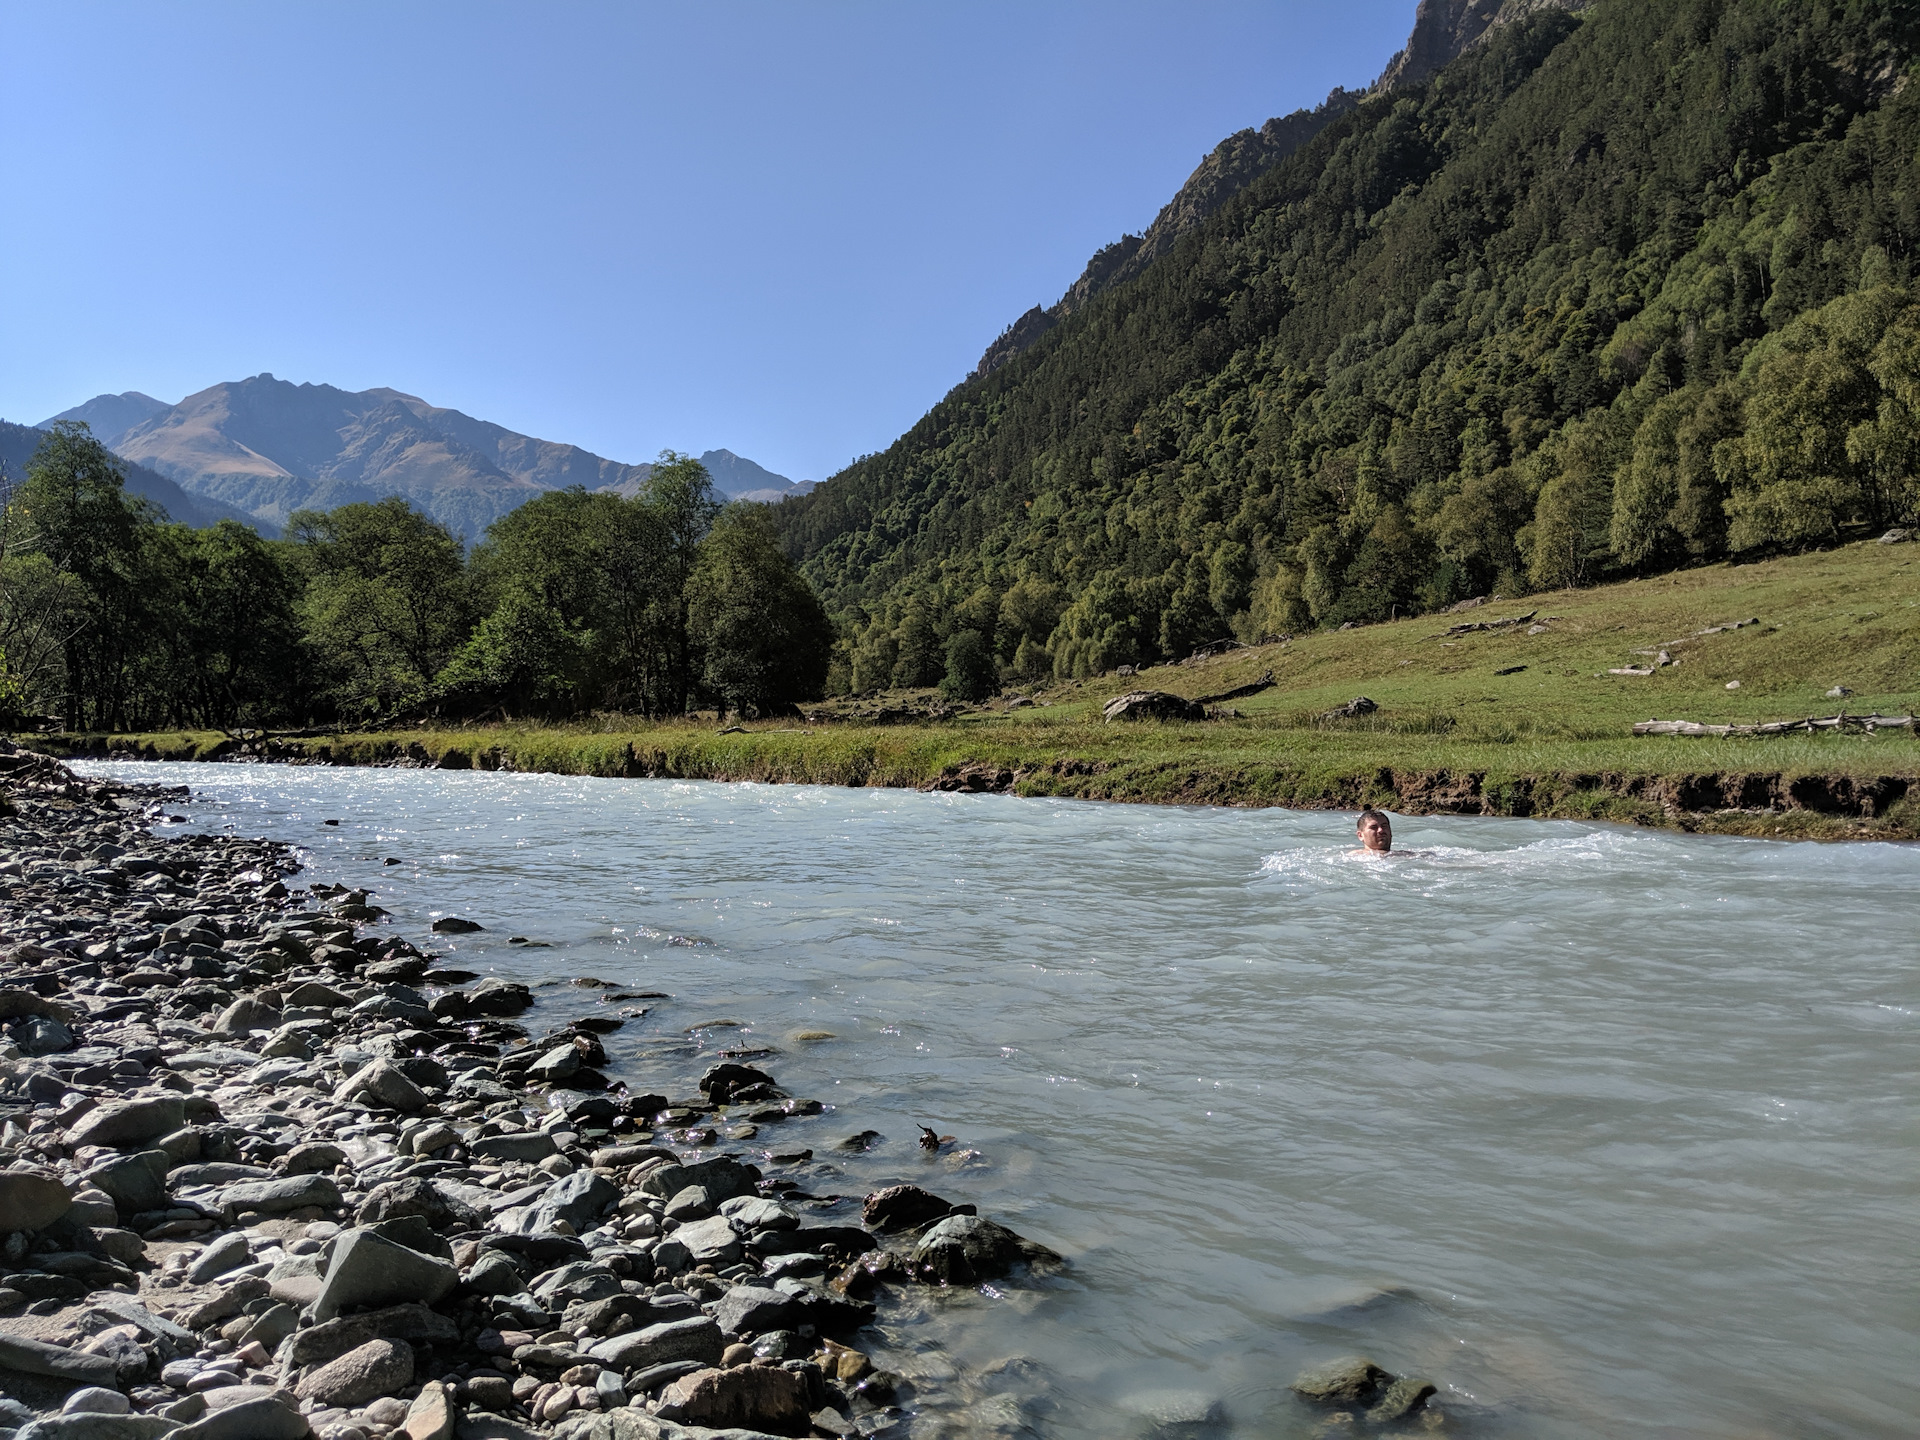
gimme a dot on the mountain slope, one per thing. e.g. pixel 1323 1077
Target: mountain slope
pixel 18 442
pixel 111 416
pixel 1607 293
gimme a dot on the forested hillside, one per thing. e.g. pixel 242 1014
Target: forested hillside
pixel 1609 293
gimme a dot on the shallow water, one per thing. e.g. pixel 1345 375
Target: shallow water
pixel 1605 1131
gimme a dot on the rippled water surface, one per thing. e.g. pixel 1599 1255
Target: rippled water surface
pixel 1605 1131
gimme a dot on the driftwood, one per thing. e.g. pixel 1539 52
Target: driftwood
pixel 1265 682
pixel 1842 721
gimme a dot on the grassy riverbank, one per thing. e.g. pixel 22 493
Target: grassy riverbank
pixel 1519 719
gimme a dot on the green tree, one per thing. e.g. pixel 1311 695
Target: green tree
pixel 763 637
pixel 971 673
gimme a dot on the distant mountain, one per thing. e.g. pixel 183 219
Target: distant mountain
pixel 18 442
pixel 111 416
pixel 268 447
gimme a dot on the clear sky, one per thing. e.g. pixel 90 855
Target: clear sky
pixel 784 229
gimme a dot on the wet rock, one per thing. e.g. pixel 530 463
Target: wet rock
pixel 965 1249
pixel 760 1397
pixel 1352 1380
pixel 751 1214
pixel 721 1177
pixel 30 1200
pixel 369 1269
pixel 724 1083
pixel 905 1207
pixel 1177 1414
pixel 129 1122
pixel 454 925
pixel 378 1367
pixel 1401 1399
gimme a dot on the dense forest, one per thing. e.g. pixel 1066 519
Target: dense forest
pixel 1608 294
pixel 113 619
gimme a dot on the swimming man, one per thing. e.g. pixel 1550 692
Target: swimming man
pixel 1375 831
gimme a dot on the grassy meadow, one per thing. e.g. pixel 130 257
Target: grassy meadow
pixel 1516 720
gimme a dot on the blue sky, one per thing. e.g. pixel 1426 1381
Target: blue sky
pixel 783 229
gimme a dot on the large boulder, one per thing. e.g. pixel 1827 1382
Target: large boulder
pixel 129 1122
pixel 964 1250
pixel 416 1195
pixel 379 1367
pixel 904 1207
pixel 276 1197
pixel 721 1177
pixel 696 1338
pixel 494 996
pixel 1152 705
pixel 31 1201
pixel 369 1269
pixel 756 1397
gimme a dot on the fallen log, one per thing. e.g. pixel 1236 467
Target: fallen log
pixel 1812 723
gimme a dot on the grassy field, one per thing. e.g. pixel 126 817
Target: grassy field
pixel 1520 719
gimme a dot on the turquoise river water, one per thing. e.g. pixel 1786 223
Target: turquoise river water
pixel 1607 1132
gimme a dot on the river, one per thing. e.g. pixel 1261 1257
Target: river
pixel 1604 1131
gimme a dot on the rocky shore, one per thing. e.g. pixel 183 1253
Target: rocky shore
pixel 267 1171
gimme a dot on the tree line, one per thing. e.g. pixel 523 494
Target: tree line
pixel 1610 294
pixel 111 618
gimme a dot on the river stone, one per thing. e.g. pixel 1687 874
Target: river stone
pixel 133 1182
pixel 31 1201
pixel 1403 1397
pixel 369 1269
pixel 318 1344
pixel 381 1083
pixel 752 1310
pixel 496 997
pixel 214 1172
pixel 431 1415
pixel 903 1207
pixel 964 1250
pixel 98 1427
pixel 750 1213
pixel 1352 1380
pixel 556 1064
pixel 96 1400
pixel 36 1357
pixel 378 1367
pixel 129 1122
pixel 761 1397
pixel 311 994
pixel 454 925
pixel 229 1252
pixel 246 1015
pixel 493 1274
pixel 417 1195
pixel 721 1177
pixel 710 1242
pixel 579 1199
pixel 313 1156
pixel 276 1197
pixel 696 1338
pixel 268 1418
pixel 526 1146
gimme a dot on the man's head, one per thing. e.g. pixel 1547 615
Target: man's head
pixel 1375 831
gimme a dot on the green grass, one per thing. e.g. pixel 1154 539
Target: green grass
pixel 1451 734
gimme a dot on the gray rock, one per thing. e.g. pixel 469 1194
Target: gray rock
pixel 527 1146
pixel 129 1122
pixel 494 1274
pixel 133 1182
pixel 276 1197
pixel 964 1250
pixel 494 996
pixel 1402 1398
pixel 379 1083
pixel 268 1418
pixel 690 1204
pixel 313 1156
pixel 454 925
pixel 710 1242
pixel 416 1195
pixel 697 1338
pixel 36 1357
pixel 494 1427
pixel 721 1177
pixel 31 1201
pixel 229 1252
pixel 1351 1380
pixel 318 1344
pixel 557 1064
pixel 579 1199
pixel 378 1367
pixel 369 1269
pixel 96 1400
pixel 214 1172
pixel 246 1015
pixel 751 1310
pixel 756 1396
pixel 98 1427
pixel 750 1213
pixel 1177 1414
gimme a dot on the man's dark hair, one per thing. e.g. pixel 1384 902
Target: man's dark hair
pixel 1370 812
